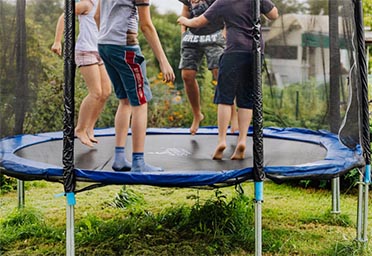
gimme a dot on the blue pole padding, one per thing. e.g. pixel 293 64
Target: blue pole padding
pixel 70 197
pixel 258 190
pixel 367 174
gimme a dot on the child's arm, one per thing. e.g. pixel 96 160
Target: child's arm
pixel 273 14
pixel 195 22
pixel 185 13
pixel 81 8
pixel 57 45
pixel 97 15
pixel 152 38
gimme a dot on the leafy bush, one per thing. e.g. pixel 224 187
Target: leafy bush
pixel 26 224
pixel 126 197
pixel 170 108
pixel 7 184
pixel 289 106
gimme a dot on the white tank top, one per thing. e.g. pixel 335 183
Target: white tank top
pixel 88 31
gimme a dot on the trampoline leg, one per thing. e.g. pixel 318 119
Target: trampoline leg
pixel 70 236
pixel 362 221
pixel 21 193
pixel 365 223
pixel 336 196
pixel 258 228
pixel 258 217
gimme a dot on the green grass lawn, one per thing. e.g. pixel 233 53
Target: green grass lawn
pixel 171 221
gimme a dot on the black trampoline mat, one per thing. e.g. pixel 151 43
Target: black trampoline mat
pixel 178 152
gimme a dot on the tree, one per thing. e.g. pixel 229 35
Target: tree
pixel 290 6
pixel 21 89
pixel 7 66
pixel 367 10
pixel 320 7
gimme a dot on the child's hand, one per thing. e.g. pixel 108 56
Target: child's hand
pixel 57 48
pixel 182 20
pixel 168 74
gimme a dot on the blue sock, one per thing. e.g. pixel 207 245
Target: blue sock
pixel 121 164
pixel 139 164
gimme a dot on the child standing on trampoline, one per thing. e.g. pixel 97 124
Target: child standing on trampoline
pixel 91 67
pixel 197 42
pixel 119 48
pixel 236 65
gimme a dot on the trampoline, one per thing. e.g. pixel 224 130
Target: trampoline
pixel 290 153
pixel 316 78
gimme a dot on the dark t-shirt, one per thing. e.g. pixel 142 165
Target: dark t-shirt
pixel 238 17
pixel 196 9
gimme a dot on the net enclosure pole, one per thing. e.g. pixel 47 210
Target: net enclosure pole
pixel 69 179
pixel 365 179
pixel 21 90
pixel 258 172
pixel 334 89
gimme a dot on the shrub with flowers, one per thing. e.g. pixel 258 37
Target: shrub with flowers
pixel 170 107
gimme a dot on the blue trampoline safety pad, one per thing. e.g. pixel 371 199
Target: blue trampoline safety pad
pixel 289 153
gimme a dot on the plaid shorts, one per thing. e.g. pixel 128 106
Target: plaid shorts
pixel 87 58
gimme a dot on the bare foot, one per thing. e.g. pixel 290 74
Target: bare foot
pixel 239 153
pixel 93 140
pixel 218 153
pixel 195 124
pixel 91 137
pixel 234 126
pixel 83 137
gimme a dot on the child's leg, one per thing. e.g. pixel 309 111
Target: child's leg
pixel 93 103
pixel 122 120
pixel 139 125
pixel 193 95
pixel 224 115
pixel 105 84
pixel 244 119
pixel 90 104
pixel 234 126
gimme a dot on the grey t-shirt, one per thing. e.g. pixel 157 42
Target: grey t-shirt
pixel 196 9
pixel 238 17
pixel 119 21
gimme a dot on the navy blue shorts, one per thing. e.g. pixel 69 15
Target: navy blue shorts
pixel 235 80
pixel 126 67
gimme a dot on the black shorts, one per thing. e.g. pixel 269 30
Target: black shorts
pixel 235 80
